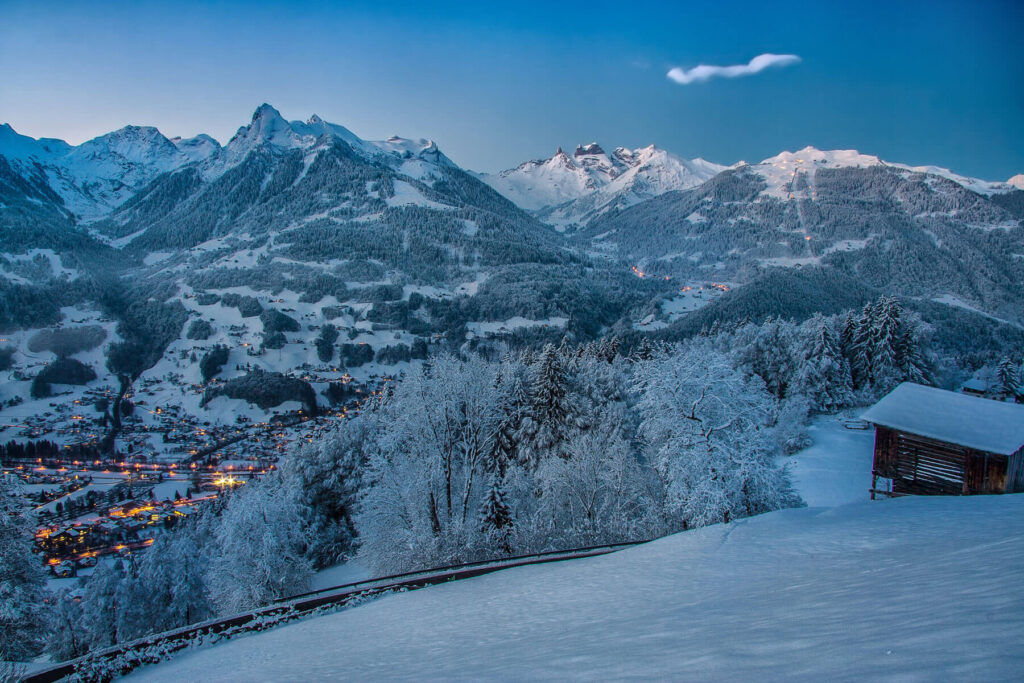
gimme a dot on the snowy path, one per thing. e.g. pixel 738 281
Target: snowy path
pixel 908 589
pixel 837 469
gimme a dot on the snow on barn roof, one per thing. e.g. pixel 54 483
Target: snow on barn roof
pixel 975 384
pixel 978 423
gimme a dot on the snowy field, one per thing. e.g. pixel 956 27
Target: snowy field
pixel 908 589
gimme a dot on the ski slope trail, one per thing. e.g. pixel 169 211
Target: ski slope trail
pixel 907 589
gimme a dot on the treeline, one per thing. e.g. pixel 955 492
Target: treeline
pixel 31 450
pixel 266 390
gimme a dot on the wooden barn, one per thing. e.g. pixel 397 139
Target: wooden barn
pixel 934 442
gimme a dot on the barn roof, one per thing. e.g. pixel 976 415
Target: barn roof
pixel 968 421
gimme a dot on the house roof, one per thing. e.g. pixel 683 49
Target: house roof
pixel 951 417
pixel 975 384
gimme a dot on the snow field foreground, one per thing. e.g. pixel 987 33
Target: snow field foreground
pixel 908 589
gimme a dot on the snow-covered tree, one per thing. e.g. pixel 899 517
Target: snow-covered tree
pixel 886 348
pixel 496 518
pixel 544 432
pixel 22 582
pixel 1008 377
pixel 768 351
pixel 427 469
pixel 169 589
pixel 858 348
pixel 261 545
pixel 790 424
pixel 102 608
pixel 324 478
pixel 823 375
pixel 504 448
pixel 598 493
pixel 706 430
pixel 67 639
pixel 886 334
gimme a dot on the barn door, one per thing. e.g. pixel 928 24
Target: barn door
pixel 985 473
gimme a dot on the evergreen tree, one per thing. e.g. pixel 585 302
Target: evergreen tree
pixel 1009 378
pixel 325 342
pixel 824 375
pixel 770 355
pixel 911 359
pixel 504 443
pixel 495 515
pixel 860 346
pixel 323 478
pixel 22 582
pixel 886 335
pixel 545 433
pixel 846 334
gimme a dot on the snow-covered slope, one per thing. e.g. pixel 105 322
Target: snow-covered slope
pixel 1017 181
pixel 781 172
pixel 908 589
pixel 564 190
pixel 100 174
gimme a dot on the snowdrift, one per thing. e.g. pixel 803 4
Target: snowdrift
pixel 913 588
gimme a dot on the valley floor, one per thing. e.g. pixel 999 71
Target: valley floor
pixel 907 589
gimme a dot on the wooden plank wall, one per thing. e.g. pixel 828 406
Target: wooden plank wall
pixel 1015 473
pixel 919 465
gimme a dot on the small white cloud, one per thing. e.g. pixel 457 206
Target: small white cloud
pixel 704 72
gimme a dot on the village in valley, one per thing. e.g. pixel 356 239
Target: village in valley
pixel 167 462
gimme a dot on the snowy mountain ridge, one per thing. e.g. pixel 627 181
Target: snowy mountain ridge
pixel 780 170
pixel 269 127
pixel 100 174
pixel 563 190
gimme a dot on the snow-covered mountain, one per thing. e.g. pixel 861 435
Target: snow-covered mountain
pixel 269 128
pixel 97 176
pixel 916 231
pixel 782 171
pixel 306 196
pixel 566 190
pixel 276 176
pixel 574 190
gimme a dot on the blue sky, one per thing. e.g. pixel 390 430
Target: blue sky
pixel 931 82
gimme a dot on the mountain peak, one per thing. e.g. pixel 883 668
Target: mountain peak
pixel 265 111
pixel 592 149
pixel 267 126
pixel 1017 181
pixel 572 189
